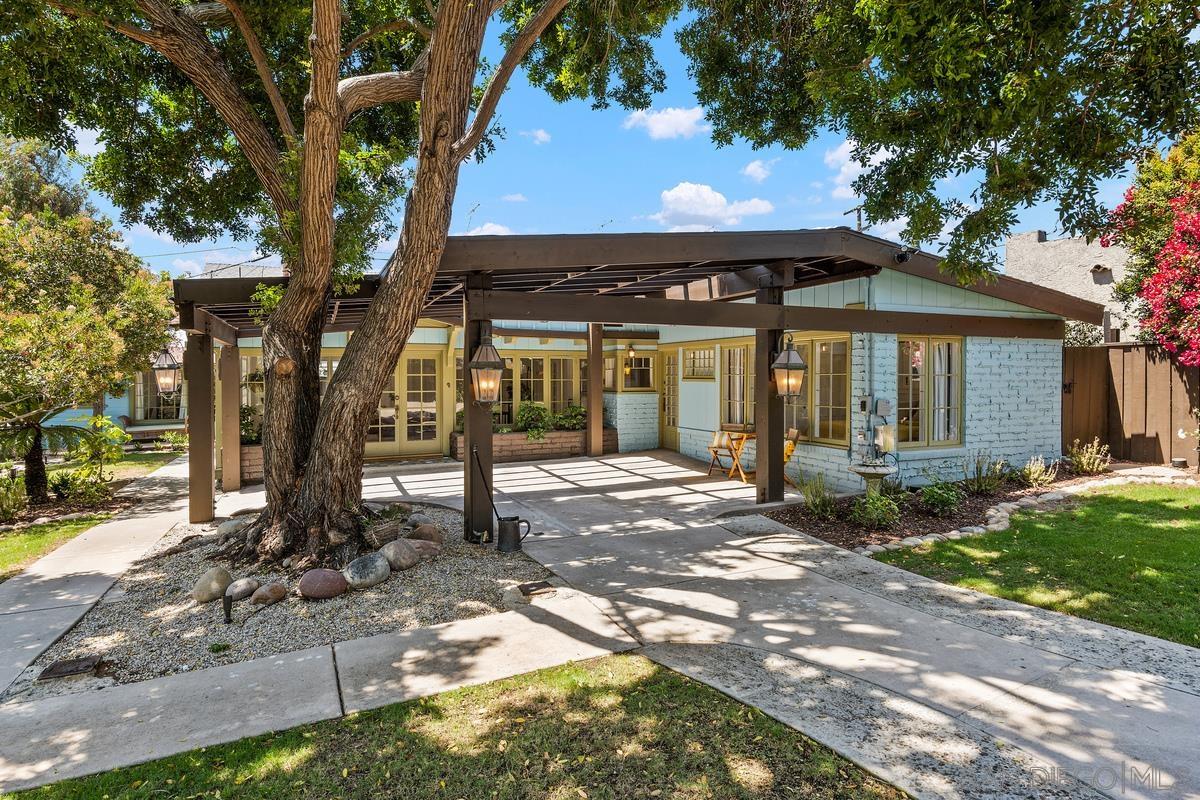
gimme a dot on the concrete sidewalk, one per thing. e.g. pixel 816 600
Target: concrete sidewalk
pixel 79 734
pixel 43 602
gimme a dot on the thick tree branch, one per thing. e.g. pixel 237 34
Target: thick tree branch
pixel 209 12
pixel 405 23
pixel 365 91
pixel 499 81
pixel 259 56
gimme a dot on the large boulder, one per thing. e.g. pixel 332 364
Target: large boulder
pixel 268 595
pixel 400 554
pixel 322 584
pixel 425 548
pixel 367 571
pixel 233 525
pixel 242 588
pixel 381 533
pixel 418 519
pixel 430 533
pixel 211 585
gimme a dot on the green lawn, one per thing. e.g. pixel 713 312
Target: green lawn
pixel 1128 556
pixel 617 727
pixel 133 465
pixel 19 549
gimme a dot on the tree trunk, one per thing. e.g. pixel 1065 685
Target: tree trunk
pixel 35 470
pixel 324 526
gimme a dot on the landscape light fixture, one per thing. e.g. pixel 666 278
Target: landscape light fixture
pixel 789 368
pixel 486 370
pixel 166 372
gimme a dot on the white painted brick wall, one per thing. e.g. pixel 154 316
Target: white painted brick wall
pixel 635 416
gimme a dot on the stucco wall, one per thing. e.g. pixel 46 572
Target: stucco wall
pixel 1067 266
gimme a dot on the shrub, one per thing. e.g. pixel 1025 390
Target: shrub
pixel 893 488
pixel 571 418
pixel 875 512
pixel 982 474
pixel 177 441
pixel 12 497
pixel 534 419
pixel 1089 459
pixel 249 425
pixel 61 483
pixel 818 499
pixel 940 497
pixel 80 486
pixel 1037 473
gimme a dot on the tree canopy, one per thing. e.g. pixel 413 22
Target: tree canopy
pixel 962 113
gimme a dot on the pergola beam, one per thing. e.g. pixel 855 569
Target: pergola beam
pixel 651 311
pixel 732 285
pixel 197 320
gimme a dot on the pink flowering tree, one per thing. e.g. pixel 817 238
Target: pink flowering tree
pixel 1172 292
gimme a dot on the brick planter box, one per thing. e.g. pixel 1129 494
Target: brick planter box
pixel 519 447
pixel 252 463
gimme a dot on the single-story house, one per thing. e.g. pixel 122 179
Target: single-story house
pixel 668 336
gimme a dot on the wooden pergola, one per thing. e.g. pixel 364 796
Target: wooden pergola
pixel 637 278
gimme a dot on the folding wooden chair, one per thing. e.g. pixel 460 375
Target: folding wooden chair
pixel 789 447
pixel 720 447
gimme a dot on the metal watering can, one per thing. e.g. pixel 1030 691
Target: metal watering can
pixel 509 535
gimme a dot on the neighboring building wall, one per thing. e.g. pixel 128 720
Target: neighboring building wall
pixel 635 416
pixel 1076 267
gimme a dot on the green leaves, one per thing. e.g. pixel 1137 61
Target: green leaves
pixel 1017 101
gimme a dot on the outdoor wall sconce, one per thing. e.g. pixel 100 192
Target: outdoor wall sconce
pixel 486 369
pixel 166 372
pixel 789 370
pixel 631 353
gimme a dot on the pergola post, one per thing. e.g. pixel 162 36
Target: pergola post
pixel 768 408
pixel 229 369
pixel 198 372
pixel 477 429
pixel 595 392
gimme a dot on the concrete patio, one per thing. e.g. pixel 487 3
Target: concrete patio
pixel 944 692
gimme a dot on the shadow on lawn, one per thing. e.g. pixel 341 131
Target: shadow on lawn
pixel 1125 557
pixel 616 727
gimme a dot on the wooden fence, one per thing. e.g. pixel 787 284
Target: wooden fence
pixel 1134 398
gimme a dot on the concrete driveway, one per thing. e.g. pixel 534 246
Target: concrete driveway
pixel 945 692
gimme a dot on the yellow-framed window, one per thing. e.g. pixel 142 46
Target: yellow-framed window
pixel 563 382
pixel 821 413
pixel 699 363
pixel 737 384
pixel 670 390
pixel 638 373
pixel 929 391
pixel 610 373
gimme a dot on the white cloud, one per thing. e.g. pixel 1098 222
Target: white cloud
pixel 538 135
pixel 849 168
pixel 490 229
pixel 515 197
pixel 889 230
pixel 189 266
pixel 759 170
pixel 144 231
pixel 697 206
pixel 669 123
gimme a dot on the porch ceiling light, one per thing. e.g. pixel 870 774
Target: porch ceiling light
pixel 789 370
pixel 486 370
pixel 166 372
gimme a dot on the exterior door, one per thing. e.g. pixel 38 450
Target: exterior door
pixel 383 431
pixel 669 416
pixel 420 432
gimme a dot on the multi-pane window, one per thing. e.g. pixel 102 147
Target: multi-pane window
pixel 831 390
pixel 562 383
pixel 610 373
pixel 737 386
pixel 150 404
pixel 325 369
pixel 458 384
pixel 420 399
pixel 700 363
pixel 929 391
pixel 821 413
pixel 254 387
pixel 583 382
pixel 533 380
pixel 502 412
pixel 383 427
pixel 670 390
pixel 639 372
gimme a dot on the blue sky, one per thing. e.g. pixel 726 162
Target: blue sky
pixel 564 168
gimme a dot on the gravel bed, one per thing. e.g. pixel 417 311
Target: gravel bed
pixel 148 625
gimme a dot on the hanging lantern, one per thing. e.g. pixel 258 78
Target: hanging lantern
pixel 789 369
pixel 166 372
pixel 486 370
pixel 631 353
